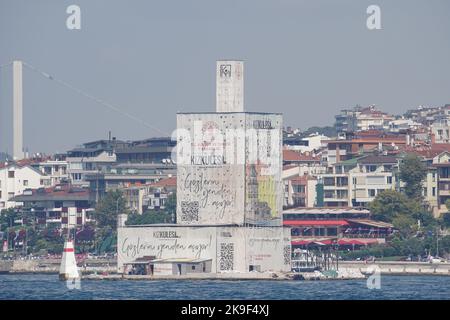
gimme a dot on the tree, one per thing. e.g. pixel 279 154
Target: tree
pixel 108 208
pixel 149 217
pixel 412 173
pixel 171 204
pixel 445 220
pixel 388 204
pixel 7 218
pixel 404 224
pixel 156 216
pixel 328 131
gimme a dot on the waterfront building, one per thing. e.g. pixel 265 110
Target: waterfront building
pixel 228 204
pixel 347 228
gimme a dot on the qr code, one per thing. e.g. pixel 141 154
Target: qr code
pixel 189 211
pixel 287 255
pixel 226 260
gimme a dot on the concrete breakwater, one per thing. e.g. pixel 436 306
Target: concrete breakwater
pixel 52 266
pixel 397 267
pixel 230 276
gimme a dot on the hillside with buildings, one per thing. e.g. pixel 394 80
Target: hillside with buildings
pixel 329 184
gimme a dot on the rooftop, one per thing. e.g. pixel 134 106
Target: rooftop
pixel 56 193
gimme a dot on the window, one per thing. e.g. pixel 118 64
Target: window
pixel 341 194
pixel 10 174
pixel 371 192
pixel 298 188
pixel 371 168
pixel 0 193
pixel 389 180
pixel 328 194
pixel 10 195
pixel 376 180
pixel 433 191
pixel 25 183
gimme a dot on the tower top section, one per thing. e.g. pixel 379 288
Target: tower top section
pixel 229 86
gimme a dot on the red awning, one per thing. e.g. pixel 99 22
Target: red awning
pixel 308 223
pixel 302 242
pixel 359 242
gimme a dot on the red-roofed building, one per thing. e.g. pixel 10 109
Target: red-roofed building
pixel 153 196
pixel 346 227
pixel 361 143
pixel 62 204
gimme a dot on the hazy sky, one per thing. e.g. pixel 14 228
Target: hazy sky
pixel 306 59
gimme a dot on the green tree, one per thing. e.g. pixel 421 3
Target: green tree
pixel 405 225
pixel 7 217
pixel 171 204
pixel 412 173
pixel 149 217
pixel 108 208
pixel 388 204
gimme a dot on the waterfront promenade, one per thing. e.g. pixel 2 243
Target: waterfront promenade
pixel 93 268
pixel 52 266
pixel 398 267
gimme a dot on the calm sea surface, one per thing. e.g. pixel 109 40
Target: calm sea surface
pixel 392 287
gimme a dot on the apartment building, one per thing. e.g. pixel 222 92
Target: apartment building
pixel 63 205
pixel 356 182
pixel 302 163
pixel 299 191
pixel 361 143
pixel 90 158
pixel 361 119
pixel 54 169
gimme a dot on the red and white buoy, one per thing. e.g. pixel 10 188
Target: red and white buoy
pixel 68 269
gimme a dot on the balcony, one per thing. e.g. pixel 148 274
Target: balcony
pixel 444 192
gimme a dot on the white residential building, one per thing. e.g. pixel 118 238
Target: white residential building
pixel 55 170
pixel 14 179
pixel 356 182
pixel 441 131
pixel 89 159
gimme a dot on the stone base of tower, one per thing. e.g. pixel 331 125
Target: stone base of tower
pixel 217 249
